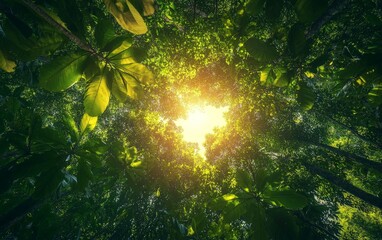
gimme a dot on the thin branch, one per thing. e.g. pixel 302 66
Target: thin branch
pixel 83 45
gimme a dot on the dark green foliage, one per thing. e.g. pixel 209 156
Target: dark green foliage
pixel 90 93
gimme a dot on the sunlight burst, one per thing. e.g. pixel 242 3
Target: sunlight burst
pixel 201 120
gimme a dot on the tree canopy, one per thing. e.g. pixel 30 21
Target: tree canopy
pixel 91 91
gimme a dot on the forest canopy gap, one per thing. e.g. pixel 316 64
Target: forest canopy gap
pixel 201 120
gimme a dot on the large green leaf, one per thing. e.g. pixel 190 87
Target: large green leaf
pixel 296 39
pixel 243 179
pixel 286 198
pixel 267 76
pixel 84 173
pixel 62 72
pixel 104 32
pixel 125 85
pixel 97 95
pixel 260 50
pixel 126 15
pixel 310 10
pixel 139 71
pixel 306 97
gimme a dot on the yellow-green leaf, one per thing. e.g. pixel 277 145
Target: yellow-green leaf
pixel 139 71
pixel 62 72
pixel 97 95
pixel 125 85
pixel 127 16
pixel 88 123
pixel 6 64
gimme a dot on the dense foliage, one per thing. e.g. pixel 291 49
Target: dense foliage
pixel 90 91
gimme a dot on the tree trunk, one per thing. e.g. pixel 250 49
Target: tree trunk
pixel 362 160
pixel 367 197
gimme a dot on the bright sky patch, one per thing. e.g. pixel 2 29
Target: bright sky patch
pixel 201 120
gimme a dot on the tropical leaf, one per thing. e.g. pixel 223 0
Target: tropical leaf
pixel 125 85
pixel 97 95
pixel 71 126
pixel 243 179
pixel 286 198
pixel 127 16
pixel 84 173
pixel 62 72
pixel 296 39
pixel 104 32
pixel 260 50
pixel 6 64
pixel 267 76
pixel 139 71
pixel 310 10
pixel 88 123
pixel 306 97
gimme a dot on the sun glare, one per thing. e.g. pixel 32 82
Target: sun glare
pixel 201 120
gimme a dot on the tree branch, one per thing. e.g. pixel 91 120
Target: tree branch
pixel 83 45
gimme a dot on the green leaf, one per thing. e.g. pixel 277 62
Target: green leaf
pixel 71 125
pixel 127 16
pixel 306 97
pixel 267 76
pixel 260 50
pixel 139 71
pixel 47 182
pixel 104 32
pixel 128 56
pixel 286 198
pixel 62 72
pixel 84 174
pixel 6 64
pixel 243 179
pixel 125 85
pixel 310 10
pixel 97 95
pixel 296 39
pixel 88 123
pixel 282 78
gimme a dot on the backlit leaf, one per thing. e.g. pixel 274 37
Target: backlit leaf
pixel 127 16
pixel 88 123
pixel 97 95
pixel 62 72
